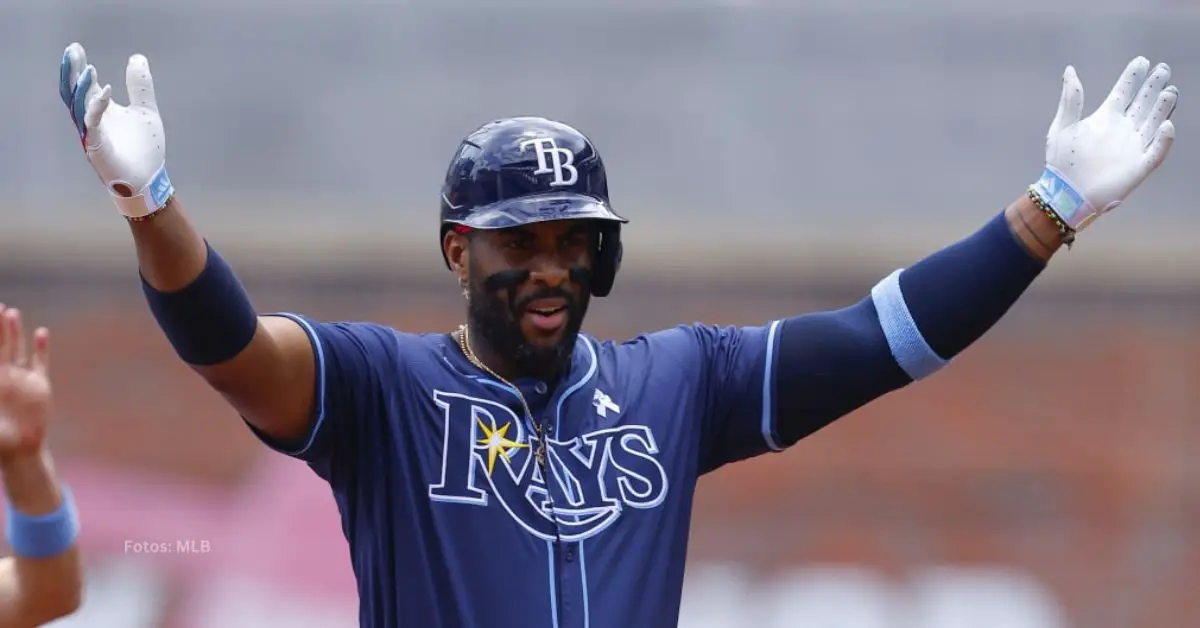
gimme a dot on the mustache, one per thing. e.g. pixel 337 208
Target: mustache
pixel 511 280
pixel 545 293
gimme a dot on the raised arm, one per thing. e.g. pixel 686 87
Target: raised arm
pixel 263 365
pixel 767 387
pixel 910 326
pixel 918 319
pixel 43 580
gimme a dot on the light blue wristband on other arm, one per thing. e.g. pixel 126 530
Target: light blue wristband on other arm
pixel 42 536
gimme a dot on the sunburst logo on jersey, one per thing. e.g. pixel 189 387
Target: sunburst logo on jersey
pixel 497 443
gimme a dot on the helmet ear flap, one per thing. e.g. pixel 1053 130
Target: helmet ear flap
pixel 608 260
pixel 446 227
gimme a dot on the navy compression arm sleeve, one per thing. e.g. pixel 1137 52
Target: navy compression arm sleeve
pixel 831 363
pixel 210 320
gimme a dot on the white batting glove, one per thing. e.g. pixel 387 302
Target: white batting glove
pixel 126 145
pixel 1093 164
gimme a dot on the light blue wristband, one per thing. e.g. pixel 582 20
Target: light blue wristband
pixel 42 536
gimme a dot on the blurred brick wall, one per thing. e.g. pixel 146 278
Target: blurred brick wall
pixel 1068 455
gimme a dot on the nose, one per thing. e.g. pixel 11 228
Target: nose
pixel 549 272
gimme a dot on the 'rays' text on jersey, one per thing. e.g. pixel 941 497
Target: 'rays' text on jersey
pixel 488 453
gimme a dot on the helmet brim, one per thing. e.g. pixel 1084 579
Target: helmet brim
pixel 539 208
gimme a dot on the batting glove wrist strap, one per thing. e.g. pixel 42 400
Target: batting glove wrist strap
pixel 1056 192
pixel 149 199
pixel 1093 164
pixel 125 144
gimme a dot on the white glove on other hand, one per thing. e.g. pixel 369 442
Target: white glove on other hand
pixel 1093 164
pixel 125 144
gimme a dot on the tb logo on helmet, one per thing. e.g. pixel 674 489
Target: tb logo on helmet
pixel 560 160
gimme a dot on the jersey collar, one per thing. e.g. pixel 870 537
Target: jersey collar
pixel 582 368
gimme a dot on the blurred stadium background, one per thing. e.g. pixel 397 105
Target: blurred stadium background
pixel 776 156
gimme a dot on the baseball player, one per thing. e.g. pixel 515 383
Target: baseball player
pixel 43 580
pixel 515 472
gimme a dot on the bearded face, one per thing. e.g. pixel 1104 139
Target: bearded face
pixel 528 292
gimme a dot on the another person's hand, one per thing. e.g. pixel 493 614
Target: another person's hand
pixel 25 393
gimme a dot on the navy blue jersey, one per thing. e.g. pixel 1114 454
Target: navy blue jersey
pixel 450 517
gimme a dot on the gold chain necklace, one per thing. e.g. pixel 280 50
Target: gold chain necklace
pixel 465 346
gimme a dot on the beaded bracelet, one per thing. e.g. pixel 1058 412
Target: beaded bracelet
pixel 1067 233
pixel 146 218
pixel 152 215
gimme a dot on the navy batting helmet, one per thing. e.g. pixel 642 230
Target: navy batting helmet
pixel 517 171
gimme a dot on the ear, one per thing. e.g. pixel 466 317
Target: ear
pixel 458 253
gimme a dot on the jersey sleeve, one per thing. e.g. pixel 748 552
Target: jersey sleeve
pixel 353 360
pixel 731 372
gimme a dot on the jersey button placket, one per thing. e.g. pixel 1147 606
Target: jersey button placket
pixel 570 580
pixel 570 587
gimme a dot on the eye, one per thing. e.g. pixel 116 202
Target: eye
pixel 519 244
pixel 577 239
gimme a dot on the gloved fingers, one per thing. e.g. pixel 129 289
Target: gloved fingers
pixel 1159 148
pixel 1164 106
pixel 1128 84
pixel 79 96
pixel 1070 104
pixel 97 104
pixel 140 83
pixel 73 63
pixel 1147 95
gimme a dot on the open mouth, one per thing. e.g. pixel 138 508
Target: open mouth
pixel 547 314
